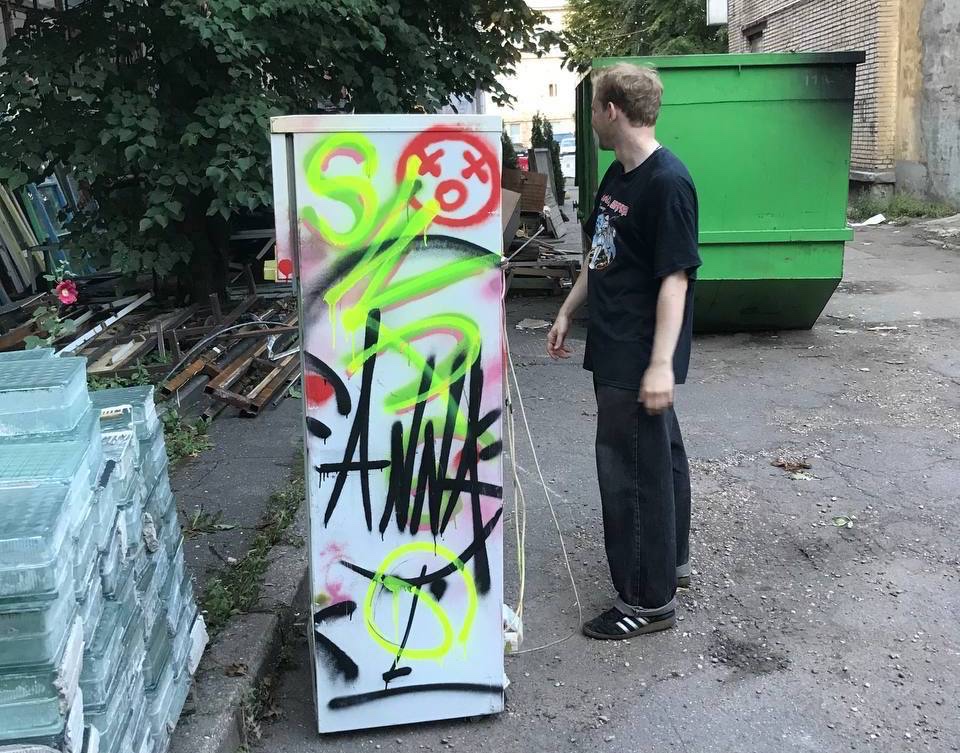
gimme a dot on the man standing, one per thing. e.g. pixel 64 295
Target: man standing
pixel 639 282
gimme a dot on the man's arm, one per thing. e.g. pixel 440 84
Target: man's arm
pixel 656 389
pixel 558 333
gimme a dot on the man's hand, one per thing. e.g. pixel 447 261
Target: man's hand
pixel 656 389
pixel 556 339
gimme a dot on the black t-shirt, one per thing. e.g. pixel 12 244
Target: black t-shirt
pixel 644 228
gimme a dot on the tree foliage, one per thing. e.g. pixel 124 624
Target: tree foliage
pixel 509 152
pixel 541 137
pixel 611 28
pixel 162 107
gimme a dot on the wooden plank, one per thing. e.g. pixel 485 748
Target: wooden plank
pixel 232 371
pixel 510 215
pixel 542 161
pixel 79 342
pixel 105 363
pixel 15 337
pixel 200 366
pixel 237 368
pixel 230 398
pixel 12 270
pixel 103 344
pixel 277 381
pixel 215 308
pixel 185 333
pixel 532 188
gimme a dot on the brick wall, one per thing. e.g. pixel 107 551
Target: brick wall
pixel 830 26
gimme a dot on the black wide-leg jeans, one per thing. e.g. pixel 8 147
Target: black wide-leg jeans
pixel 645 493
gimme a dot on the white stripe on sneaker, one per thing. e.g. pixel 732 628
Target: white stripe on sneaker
pixel 623 627
pixel 631 623
pixel 643 621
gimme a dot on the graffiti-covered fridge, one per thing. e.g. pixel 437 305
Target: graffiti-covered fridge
pixel 390 228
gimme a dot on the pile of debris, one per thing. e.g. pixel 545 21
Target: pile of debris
pixel 240 352
pixel 538 252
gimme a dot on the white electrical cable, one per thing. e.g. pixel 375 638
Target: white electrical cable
pixel 521 516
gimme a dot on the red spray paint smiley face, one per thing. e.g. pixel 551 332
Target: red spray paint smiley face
pixel 460 170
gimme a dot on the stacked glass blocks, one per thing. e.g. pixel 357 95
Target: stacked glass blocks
pixel 99 629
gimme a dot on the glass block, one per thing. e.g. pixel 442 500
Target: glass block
pixel 149 587
pixel 43 394
pixel 159 651
pixel 112 560
pixel 143 417
pixel 118 645
pixel 121 453
pixel 34 632
pixel 70 738
pixel 75 463
pixel 153 458
pixel 91 606
pixel 160 498
pixel 132 512
pixel 166 701
pixel 26 355
pixel 183 640
pixel 91 740
pixel 112 718
pixel 37 526
pixel 137 729
pixel 35 702
pixel 199 638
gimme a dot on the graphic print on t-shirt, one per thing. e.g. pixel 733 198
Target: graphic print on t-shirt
pixel 604 248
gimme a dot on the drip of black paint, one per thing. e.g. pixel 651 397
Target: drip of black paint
pixel 359 435
pixel 318 428
pixel 339 662
pixel 394 671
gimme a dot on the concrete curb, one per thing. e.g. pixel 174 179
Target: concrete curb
pixel 252 640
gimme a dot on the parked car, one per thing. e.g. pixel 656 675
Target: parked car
pixel 568 166
pixel 568 146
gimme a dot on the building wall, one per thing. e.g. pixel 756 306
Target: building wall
pixel 540 85
pixel 940 107
pixel 830 26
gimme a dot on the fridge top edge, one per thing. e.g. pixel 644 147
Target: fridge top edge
pixel 384 123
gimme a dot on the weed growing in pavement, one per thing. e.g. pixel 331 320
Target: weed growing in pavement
pixel 901 206
pixel 256 706
pixel 237 588
pixel 201 522
pixel 184 438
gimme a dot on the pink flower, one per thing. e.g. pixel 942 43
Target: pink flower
pixel 67 292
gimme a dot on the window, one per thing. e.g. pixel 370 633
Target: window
pixel 515 130
pixel 553 90
pixel 753 34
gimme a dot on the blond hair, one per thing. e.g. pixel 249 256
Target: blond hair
pixel 635 89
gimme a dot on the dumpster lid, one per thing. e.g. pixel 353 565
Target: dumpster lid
pixel 740 60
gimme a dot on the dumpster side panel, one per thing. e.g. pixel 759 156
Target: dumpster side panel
pixel 767 140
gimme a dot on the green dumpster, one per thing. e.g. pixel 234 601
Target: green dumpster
pixel 767 139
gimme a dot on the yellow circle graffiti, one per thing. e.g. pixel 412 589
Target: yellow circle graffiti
pixel 397 586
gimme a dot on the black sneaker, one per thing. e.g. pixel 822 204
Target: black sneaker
pixel 614 625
